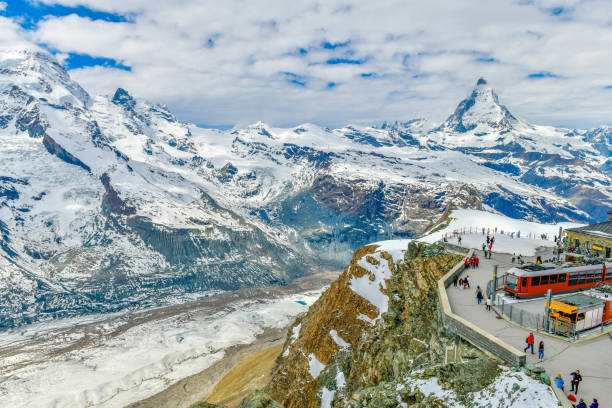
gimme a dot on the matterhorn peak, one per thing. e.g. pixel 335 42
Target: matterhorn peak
pixel 480 112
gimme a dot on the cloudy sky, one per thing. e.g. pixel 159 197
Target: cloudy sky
pixel 222 63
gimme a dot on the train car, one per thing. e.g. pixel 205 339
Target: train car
pixel 534 280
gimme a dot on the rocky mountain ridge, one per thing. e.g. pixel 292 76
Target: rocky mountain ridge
pixel 375 339
pixel 109 203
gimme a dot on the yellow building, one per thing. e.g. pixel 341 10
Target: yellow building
pixel 596 238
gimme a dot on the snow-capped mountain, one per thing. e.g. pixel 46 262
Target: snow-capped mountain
pixel 112 202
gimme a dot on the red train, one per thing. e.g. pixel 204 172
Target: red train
pixel 535 280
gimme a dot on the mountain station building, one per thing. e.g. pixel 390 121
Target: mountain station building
pixel 596 238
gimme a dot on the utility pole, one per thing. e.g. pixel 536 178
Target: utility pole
pixel 547 311
pixel 492 295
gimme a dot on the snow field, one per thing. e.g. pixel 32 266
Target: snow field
pixel 142 361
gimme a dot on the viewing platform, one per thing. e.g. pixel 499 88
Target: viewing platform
pixel 591 354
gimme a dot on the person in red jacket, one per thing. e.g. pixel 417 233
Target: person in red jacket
pixel 476 261
pixel 529 342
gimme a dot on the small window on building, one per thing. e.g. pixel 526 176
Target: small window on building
pixel 535 281
pixel 562 277
pixel 553 278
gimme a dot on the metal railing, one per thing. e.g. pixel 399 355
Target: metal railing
pixel 520 316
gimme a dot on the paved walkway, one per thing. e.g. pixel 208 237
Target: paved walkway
pixel 592 357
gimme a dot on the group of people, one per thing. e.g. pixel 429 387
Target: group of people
pixel 480 297
pixel 576 379
pixel 488 247
pixel 473 262
pixel 463 283
pixel 530 341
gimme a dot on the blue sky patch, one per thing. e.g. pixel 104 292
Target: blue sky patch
pixel 332 46
pixel 334 61
pixel 83 60
pixel 295 78
pixel 543 74
pixel 331 84
pixel 29 13
pixel 486 59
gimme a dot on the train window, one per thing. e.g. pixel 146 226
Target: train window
pixel 535 281
pixel 553 278
pixel 590 276
pixel 544 280
pixel 524 282
pixel 573 279
pixel 597 276
pixel 608 275
pixel 580 316
pixel 582 277
pixel 562 277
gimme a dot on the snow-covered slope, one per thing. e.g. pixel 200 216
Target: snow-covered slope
pixel 112 202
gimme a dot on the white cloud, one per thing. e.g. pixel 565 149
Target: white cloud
pixel 224 62
pixel 2 6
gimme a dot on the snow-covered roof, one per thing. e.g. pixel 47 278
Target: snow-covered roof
pixel 602 229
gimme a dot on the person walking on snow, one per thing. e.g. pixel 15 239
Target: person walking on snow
pixel 459 240
pixel 488 304
pixel 541 350
pixel 467 281
pixel 479 295
pixel 576 378
pixel 484 249
pixel 529 342
pixel 477 261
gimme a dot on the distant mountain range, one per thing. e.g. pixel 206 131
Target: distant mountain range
pixel 112 202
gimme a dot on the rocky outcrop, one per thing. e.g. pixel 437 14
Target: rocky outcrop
pixel 345 343
pixel 111 202
pixel 57 150
pixel 375 337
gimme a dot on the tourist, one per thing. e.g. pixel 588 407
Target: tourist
pixel 559 382
pixel 492 240
pixel 459 240
pixel 594 404
pixel 466 282
pixel 484 249
pixel 466 263
pixel 488 304
pixel 541 351
pixel 581 404
pixel 461 283
pixel 455 281
pixel 576 378
pixel 477 261
pixel 529 340
pixel 479 295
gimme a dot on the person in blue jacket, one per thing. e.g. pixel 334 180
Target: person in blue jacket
pixel 594 404
pixel 559 382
